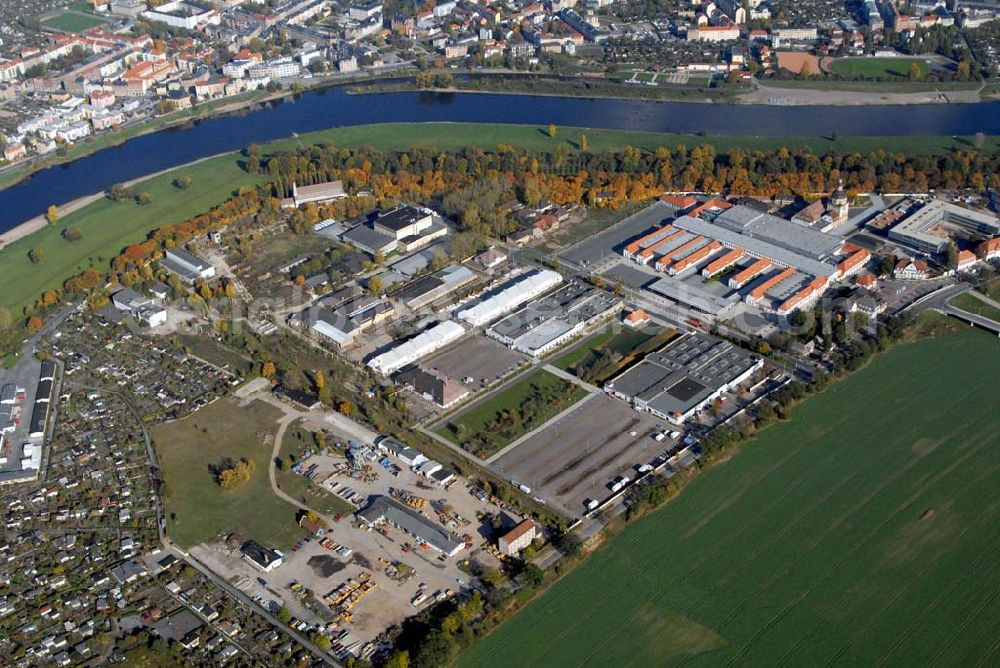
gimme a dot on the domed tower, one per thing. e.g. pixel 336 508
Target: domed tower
pixel 838 203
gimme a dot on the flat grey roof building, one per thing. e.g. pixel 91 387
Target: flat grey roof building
pixel 369 239
pixel 187 266
pixel 408 520
pixel 692 295
pixel 779 232
pixel 546 322
pixel 684 376
pixel 915 230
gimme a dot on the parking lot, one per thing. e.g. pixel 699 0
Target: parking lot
pixel 575 458
pixel 320 570
pixel 484 360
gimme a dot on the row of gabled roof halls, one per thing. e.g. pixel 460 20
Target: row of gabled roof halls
pixel 777 265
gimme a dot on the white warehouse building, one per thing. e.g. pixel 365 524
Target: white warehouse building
pixel 416 348
pixel 515 293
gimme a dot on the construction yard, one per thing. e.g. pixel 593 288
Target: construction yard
pixel 392 568
pixel 576 457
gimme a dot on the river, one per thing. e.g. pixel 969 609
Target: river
pixel 317 110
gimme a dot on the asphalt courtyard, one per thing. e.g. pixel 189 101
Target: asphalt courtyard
pixel 606 245
pixel 484 360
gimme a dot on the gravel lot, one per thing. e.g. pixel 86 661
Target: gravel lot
pixel 575 458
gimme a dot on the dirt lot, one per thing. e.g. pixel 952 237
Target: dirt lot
pixel 575 458
pixel 794 60
pixel 321 570
pixel 485 360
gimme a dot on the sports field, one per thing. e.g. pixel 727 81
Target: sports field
pixel 72 22
pixel 881 68
pixel 864 531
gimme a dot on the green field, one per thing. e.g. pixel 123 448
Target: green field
pixel 476 429
pixel 108 227
pixel 900 86
pixel 863 531
pixel 972 304
pixel 197 509
pixel 72 22
pixel 881 68
pixel 621 344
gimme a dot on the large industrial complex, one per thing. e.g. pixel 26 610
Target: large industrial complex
pixel 929 229
pixel 713 255
pixel 551 321
pixel 684 377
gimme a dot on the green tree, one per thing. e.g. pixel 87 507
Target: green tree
pixel 569 544
pixel 963 71
pixel 375 285
pixel 399 659
pixel 533 575
pixel 951 255
pixel 72 234
pixel 438 649
pixel 119 192
pixel 145 197
pixel 37 255
pixel 183 182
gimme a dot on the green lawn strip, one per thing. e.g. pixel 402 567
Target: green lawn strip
pixel 992 288
pixel 877 67
pixel 568 361
pixel 972 304
pixel 482 429
pixel 624 346
pixel 451 136
pixel 109 226
pixel 861 530
pixel 872 86
pixel 216 353
pixel 198 510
